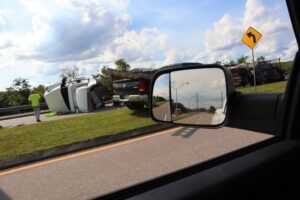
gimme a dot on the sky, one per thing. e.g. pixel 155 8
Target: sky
pixel 38 39
pixel 208 85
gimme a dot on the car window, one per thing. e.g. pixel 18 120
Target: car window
pixel 75 83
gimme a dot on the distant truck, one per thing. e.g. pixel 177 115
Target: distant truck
pixel 134 93
pixel 76 95
pixel 130 88
pixel 266 72
pixel 269 72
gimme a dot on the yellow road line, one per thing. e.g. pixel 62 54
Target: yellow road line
pixel 73 155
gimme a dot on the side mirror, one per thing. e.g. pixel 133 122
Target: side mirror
pixel 191 94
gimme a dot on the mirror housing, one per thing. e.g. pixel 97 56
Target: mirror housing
pixel 192 94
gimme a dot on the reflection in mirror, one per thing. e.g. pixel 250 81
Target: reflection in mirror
pixel 198 96
pixel 161 98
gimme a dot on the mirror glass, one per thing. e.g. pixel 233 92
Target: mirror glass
pixel 161 107
pixel 192 97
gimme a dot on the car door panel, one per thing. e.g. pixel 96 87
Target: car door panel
pixel 256 112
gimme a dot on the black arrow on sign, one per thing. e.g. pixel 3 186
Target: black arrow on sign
pixel 251 35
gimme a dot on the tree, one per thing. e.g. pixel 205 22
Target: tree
pixel 10 98
pixel 21 84
pixel 69 73
pixel 18 92
pixel 106 81
pixel 122 65
pixel 231 62
pixel 4 99
pixel 242 59
pixel 260 59
pixel 13 98
pixel 212 109
pixel 218 62
pixel 39 90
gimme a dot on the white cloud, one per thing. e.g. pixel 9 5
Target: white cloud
pixel 143 45
pixel 68 30
pixel 5 44
pixel 289 50
pixel 174 55
pixel 223 40
pixel 2 19
pixel 224 35
pixel 153 64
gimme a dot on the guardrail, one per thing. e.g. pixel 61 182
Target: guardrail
pixel 20 109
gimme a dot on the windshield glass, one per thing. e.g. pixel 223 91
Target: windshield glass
pixel 75 85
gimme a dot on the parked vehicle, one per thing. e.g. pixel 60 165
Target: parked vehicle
pixel 76 95
pixel 241 75
pixel 131 92
pixel 270 73
pixel 220 113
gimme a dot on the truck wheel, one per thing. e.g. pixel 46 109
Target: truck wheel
pixel 135 105
pixel 103 103
pixel 100 104
pixel 116 104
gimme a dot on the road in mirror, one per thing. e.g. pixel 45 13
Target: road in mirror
pixel 198 97
pixel 161 98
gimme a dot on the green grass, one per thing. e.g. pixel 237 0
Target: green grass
pixel 278 87
pixel 287 65
pixel 47 135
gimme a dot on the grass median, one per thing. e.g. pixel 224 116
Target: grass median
pixel 47 135
pixel 278 87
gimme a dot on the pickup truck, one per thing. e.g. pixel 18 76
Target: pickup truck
pixel 131 92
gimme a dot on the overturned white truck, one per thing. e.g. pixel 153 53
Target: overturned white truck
pixel 76 95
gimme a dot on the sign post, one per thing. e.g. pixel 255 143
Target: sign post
pixel 254 75
pixel 250 38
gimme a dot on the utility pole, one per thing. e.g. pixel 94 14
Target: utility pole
pixel 176 100
pixel 176 89
pixel 197 100
pixel 254 76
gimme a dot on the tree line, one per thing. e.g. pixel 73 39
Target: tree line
pixel 17 94
pixel 240 60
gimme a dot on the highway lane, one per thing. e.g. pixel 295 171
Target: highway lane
pixel 202 118
pixel 162 112
pixel 97 171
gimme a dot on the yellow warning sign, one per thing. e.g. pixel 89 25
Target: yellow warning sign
pixel 251 37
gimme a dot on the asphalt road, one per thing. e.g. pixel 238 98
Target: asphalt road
pixel 97 171
pixel 162 112
pixel 198 118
